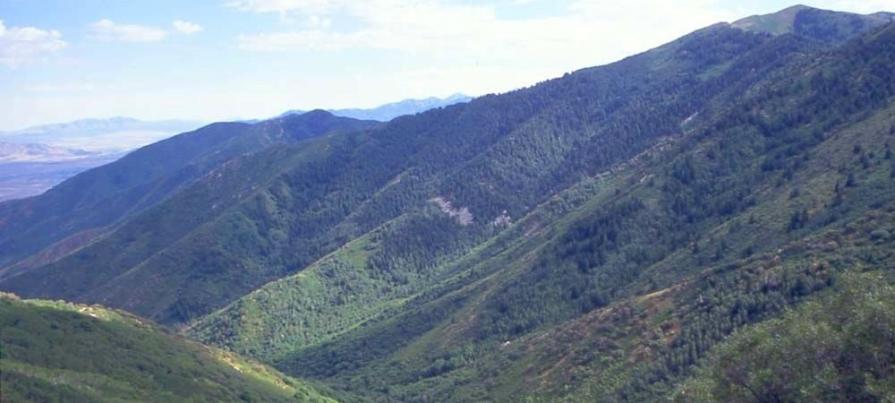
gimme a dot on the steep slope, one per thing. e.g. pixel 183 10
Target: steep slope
pixel 105 195
pixel 746 188
pixel 54 351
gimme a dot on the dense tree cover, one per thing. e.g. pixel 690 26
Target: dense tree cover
pixel 765 135
pixel 58 352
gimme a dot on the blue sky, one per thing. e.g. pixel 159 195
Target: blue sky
pixel 223 59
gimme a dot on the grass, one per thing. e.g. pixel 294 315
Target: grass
pixel 56 351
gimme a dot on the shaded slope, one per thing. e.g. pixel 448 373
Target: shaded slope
pixel 105 195
pixel 54 351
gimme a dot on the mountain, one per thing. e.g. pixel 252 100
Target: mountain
pixel 53 351
pixel 279 211
pixel 614 288
pixel 113 135
pixel 594 237
pixel 88 204
pixel 384 113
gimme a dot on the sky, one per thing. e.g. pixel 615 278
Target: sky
pixel 211 60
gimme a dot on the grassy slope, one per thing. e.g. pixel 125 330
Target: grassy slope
pixel 55 351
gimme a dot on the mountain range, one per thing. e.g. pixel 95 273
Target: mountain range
pixel 710 220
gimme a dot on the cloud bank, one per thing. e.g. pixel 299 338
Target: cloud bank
pixel 21 45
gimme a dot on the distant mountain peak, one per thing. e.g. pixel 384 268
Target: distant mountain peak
pixel 815 23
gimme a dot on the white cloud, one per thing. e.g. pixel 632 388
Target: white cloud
pixel 186 27
pixel 108 30
pixel 284 6
pixel 20 45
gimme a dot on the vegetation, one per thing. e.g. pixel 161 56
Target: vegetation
pixel 55 351
pixel 838 348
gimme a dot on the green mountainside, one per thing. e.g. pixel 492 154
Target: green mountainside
pixel 60 352
pixel 595 237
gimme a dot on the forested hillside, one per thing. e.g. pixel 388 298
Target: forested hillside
pixel 594 237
